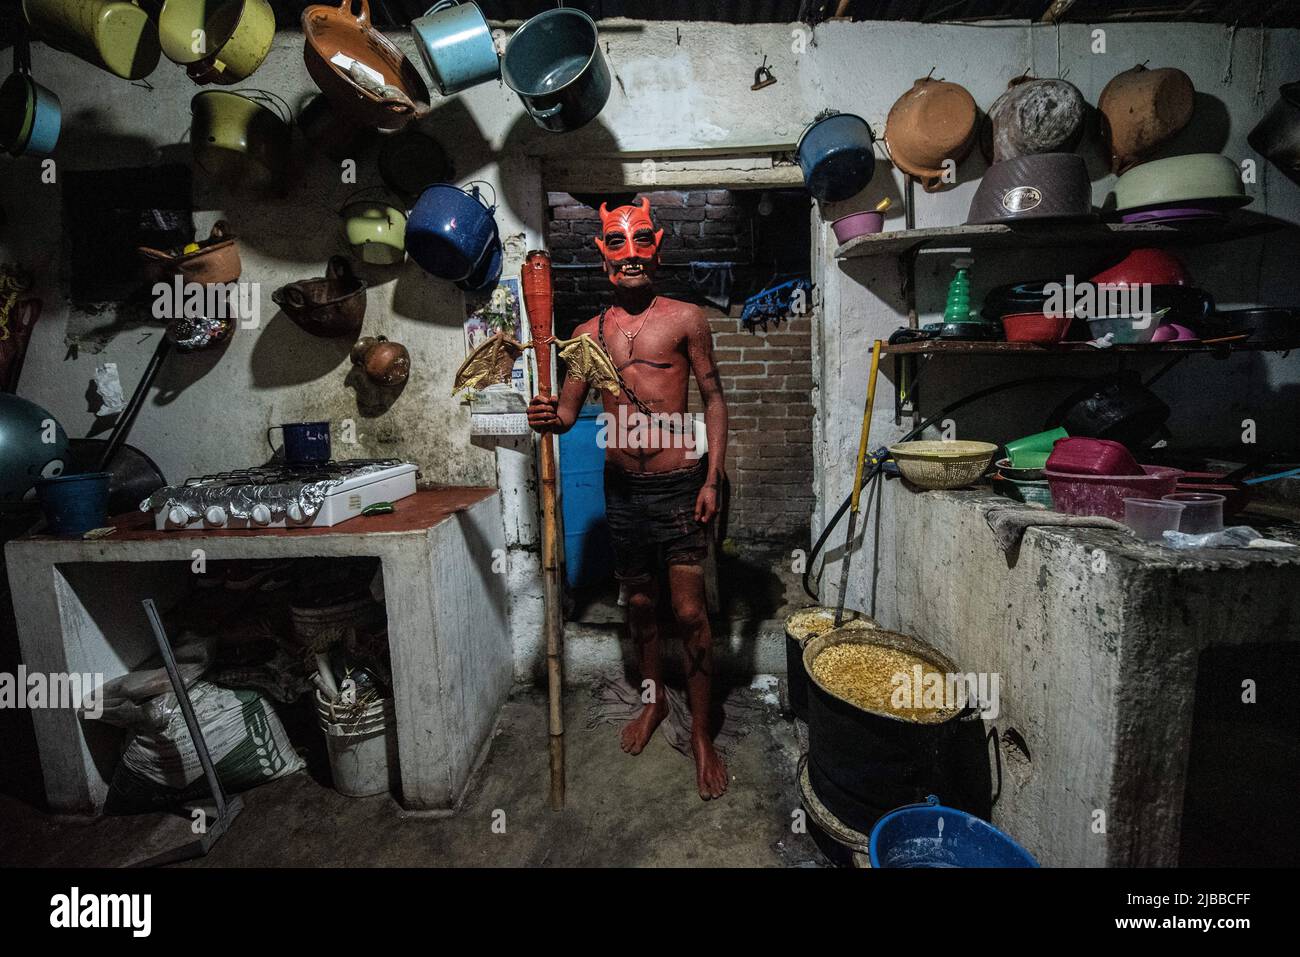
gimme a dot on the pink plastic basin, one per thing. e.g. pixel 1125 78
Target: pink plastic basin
pixel 1104 494
pixel 857 224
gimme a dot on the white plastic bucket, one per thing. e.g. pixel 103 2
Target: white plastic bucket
pixel 362 746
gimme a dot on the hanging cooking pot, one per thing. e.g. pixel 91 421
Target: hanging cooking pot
pixel 456 46
pixel 555 64
pixel 1277 135
pixel 375 230
pixel 1142 109
pixel 1119 408
pixel 836 156
pixel 365 75
pixel 30 115
pixel 328 307
pixel 1034 116
pixel 452 232
pixel 234 136
pixel 214 260
pixel 932 123
pixel 217 42
pixel 114 35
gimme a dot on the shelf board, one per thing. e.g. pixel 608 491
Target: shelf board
pixel 1028 235
pixel 971 348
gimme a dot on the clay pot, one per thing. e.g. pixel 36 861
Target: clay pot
pixel 387 102
pixel 329 307
pixel 215 261
pixel 932 122
pixel 1142 109
pixel 384 362
pixel 1034 116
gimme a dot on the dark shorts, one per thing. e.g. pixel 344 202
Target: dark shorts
pixel 652 515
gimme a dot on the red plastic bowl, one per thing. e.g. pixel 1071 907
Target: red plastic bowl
pixel 1158 267
pixel 1083 456
pixel 1104 494
pixel 1035 327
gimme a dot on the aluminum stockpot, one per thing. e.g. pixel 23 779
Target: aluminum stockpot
pixel 555 65
pixel 456 46
pixel 113 35
pixel 836 157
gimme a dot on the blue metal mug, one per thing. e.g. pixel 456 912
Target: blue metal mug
pixel 456 46
pixel 305 443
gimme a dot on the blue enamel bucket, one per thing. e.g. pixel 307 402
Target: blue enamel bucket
pixel 456 46
pixel 836 156
pixel 932 835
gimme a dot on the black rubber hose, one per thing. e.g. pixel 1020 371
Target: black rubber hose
pixel 875 469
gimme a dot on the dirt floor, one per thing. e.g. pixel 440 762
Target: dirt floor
pixel 622 811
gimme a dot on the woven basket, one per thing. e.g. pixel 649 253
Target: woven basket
pixel 941 465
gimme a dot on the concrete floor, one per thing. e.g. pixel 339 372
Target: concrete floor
pixel 622 811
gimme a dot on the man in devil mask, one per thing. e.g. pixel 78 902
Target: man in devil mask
pixel 660 492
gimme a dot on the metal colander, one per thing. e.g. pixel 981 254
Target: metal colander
pixel 932 464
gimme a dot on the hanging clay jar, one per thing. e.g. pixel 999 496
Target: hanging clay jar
pixel 384 362
pixel 932 123
pixel 1142 109
pixel 1034 116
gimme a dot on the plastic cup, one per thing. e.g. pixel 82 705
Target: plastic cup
pixel 1202 511
pixel 1150 518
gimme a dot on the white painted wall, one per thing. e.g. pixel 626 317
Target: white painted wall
pixel 678 87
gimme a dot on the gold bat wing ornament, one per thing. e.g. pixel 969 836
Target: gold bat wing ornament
pixel 589 363
pixel 492 360
pixel 490 363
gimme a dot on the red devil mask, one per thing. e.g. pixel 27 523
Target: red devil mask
pixel 630 244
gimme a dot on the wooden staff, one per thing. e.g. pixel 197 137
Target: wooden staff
pixel 539 300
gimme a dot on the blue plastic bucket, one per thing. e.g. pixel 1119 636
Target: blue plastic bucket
pixel 74 504
pixel 588 551
pixel 931 835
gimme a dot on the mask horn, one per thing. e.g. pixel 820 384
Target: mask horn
pixel 604 214
pixel 645 205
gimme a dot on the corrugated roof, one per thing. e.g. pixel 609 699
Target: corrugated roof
pixel 390 13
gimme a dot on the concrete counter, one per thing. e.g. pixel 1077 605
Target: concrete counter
pixel 77 604
pixel 1099 641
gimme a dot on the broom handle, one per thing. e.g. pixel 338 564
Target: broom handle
pixel 539 301
pixel 864 440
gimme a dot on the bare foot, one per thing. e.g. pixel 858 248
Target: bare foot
pixel 636 733
pixel 710 769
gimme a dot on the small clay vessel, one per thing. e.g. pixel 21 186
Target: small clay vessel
pixel 384 362
pixel 1142 109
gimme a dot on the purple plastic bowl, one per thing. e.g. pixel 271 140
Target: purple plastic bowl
pixel 858 224
pixel 1104 494
pixel 1162 214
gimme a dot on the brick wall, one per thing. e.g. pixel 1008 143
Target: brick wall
pixel 767 376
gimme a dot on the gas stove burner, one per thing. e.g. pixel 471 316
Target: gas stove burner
pixel 282 496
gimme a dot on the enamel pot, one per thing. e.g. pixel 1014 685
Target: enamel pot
pixel 836 157
pixel 452 234
pixel 235 136
pixel 555 64
pixel 30 116
pixel 456 46
pixel 217 42
pixel 114 35
pixel 375 231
